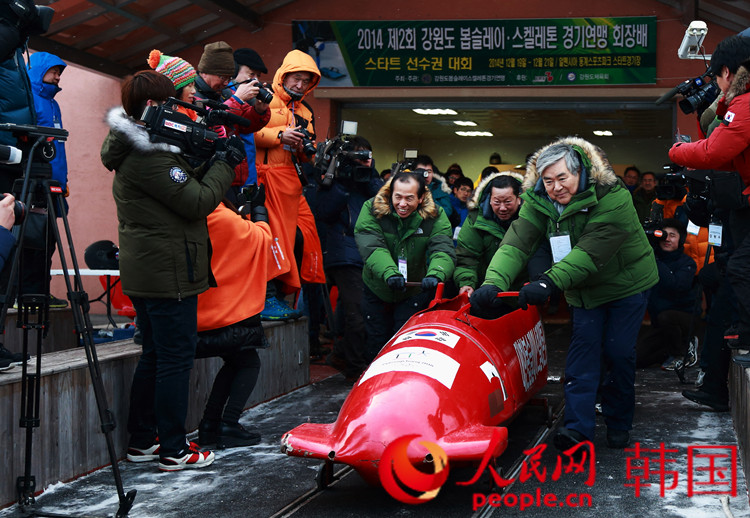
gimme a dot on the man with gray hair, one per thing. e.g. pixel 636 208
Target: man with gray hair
pixel 601 260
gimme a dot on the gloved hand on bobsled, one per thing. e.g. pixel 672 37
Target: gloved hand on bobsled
pixel 396 282
pixel 429 283
pixel 485 304
pixel 536 293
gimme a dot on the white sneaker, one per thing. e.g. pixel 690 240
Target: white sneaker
pixel 189 458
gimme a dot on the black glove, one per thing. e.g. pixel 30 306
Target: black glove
pixel 429 283
pixel 484 299
pixel 396 282
pixel 252 198
pixel 230 150
pixel 536 292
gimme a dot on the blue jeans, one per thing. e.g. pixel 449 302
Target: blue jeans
pixel 161 382
pixel 607 332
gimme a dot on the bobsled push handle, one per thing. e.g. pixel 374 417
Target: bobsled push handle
pixel 503 294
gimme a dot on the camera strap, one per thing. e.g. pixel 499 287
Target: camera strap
pixel 300 173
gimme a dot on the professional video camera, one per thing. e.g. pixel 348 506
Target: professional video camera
pixel 407 163
pixel 335 158
pixel 698 94
pixel 165 124
pixel 20 19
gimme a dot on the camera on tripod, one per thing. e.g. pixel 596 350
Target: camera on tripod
pixel 336 159
pixel 194 138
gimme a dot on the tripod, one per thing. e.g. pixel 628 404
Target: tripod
pixel 38 189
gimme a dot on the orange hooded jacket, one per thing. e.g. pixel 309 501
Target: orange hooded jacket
pixel 287 208
pixel 240 263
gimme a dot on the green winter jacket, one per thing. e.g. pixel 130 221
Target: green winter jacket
pixel 382 236
pixel 610 257
pixel 162 204
pixel 478 240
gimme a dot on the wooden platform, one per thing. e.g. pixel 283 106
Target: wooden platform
pixel 69 442
pixel 60 333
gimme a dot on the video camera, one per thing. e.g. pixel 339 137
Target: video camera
pixel 335 158
pixel 27 135
pixel 20 19
pixel 698 94
pixel 194 138
pixel 407 163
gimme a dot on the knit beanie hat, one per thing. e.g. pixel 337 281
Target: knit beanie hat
pixel 217 59
pixel 250 59
pixel 177 70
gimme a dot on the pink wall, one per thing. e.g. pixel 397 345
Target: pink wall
pixel 87 95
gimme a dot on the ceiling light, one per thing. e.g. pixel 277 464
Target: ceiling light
pixel 602 133
pixel 464 123
pixel 474 134
pixel 434 111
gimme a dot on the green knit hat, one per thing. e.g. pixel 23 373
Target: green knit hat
pixel 179 71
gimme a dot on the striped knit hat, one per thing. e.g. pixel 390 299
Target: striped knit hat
pixel 179 71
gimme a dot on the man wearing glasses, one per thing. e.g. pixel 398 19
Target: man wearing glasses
pixel 215 69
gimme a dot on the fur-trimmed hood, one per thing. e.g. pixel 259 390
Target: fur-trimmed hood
pixel 126 136
pixel 479 191
pixel 443 183
pixel 739 85
pixel 600 173
pixel 382 206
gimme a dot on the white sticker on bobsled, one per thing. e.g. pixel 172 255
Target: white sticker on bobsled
pixel 531 350
pixel 426 362
pixel 433 335
pixel 491 372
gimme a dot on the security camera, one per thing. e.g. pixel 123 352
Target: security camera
pixel 692 42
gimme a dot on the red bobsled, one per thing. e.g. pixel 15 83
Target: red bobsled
pixel 447 376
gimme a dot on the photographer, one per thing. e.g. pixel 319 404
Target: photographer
pixel 671 304
pixel 287 140
pixel 727 148
pixel 338 208
pixel 402 235
pixel 249 66
pixel 215 69
pixel 162 204
pixel 229 326
pixel 7 242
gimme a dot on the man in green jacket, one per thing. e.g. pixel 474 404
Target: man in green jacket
pixel 402 236
pixel 601 260
pixel 494 207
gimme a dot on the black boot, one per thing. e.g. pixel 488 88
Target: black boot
pixel 208 430
pixel 234 435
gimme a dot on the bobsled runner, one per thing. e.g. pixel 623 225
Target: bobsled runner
pixel 447 376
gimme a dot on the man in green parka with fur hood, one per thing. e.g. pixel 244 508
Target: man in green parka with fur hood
pixel 491 211
pixel 402 235
pixel 603 262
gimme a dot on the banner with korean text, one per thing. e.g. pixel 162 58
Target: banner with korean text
pixel 526 52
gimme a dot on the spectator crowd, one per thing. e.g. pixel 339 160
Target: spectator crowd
pixel 249 231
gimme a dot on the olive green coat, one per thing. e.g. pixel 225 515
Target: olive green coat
pixel 162 204
pixel 423 238
pixel 610 257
